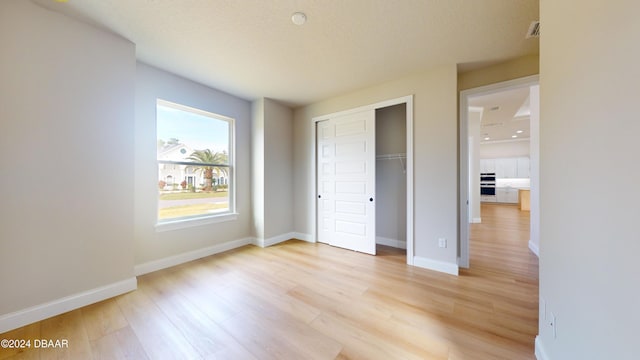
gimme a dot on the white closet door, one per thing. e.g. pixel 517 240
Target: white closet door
pixel 346 181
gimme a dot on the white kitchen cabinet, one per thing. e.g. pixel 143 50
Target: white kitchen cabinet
pixel 488 198
pixel 506 168
pixel 523 171
pixel 487 165
pixel 507 195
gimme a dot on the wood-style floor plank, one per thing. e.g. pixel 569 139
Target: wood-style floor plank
pixel 298 300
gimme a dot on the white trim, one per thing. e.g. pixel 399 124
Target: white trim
pixel 303 237
pixel 504 141
pixel 436 265
pixel 476 220
pixel 463 171
pixel 274 240
pixel 534 248
pixel 539 351
pixel 36 313
pixel 408 101
pixel 192 222
pixel 400 244
pixel 174 260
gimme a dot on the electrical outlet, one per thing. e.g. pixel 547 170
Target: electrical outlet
pixel 442 242
pixel 552 323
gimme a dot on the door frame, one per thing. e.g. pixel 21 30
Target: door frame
pixel 463 127
pixel 408 101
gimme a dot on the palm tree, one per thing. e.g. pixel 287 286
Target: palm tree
pixel 208 157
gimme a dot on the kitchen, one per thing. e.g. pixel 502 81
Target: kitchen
pixel 505 180
pixel 499 150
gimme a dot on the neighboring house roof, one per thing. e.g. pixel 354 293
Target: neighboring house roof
pixel 177 152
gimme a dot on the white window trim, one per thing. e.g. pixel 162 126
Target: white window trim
pixel 200 220
pixel 184 223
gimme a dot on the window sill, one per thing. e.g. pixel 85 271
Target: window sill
pixel 193 222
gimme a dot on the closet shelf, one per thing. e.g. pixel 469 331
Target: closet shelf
pixel 391 156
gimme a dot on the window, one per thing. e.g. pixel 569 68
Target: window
pixel 194 153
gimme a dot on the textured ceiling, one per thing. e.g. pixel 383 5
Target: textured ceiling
pixel 250 48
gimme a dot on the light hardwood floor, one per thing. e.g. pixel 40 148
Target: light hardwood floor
pixel 298 300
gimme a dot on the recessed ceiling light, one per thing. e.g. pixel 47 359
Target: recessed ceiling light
pixel 519 131
pixel 299 18
pixel 514 136
pixel 487 138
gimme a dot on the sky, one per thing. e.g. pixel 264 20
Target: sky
pixel 194 130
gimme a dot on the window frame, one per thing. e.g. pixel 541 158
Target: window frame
pixel 204 219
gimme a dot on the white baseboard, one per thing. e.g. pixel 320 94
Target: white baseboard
pixel 391 242
pixel 303 237
pixel 540 353
pixel 436 265
pixel 476 220
pixel 275 240
pixel 534 248
pixel 174 260
pixel 36 313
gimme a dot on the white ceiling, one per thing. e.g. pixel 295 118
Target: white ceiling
pixel 504 114
pixel 250 48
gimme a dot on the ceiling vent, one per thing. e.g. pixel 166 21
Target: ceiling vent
pixel 491 125
pixel 534 30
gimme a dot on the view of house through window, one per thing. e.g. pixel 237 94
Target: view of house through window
pixel 195 162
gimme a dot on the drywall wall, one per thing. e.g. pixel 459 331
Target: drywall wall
pixel 272 175
pixel 66 145
pixel 257 167
pixel 391 177
pixel 534 170
pixel 505 149
pixel 507 70
pixel 278 169
pixel 589 242
pixel 152 84
pixel 435 157
pixel 475 117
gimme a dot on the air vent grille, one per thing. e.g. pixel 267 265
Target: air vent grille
pixel 534 30
pixel 491 125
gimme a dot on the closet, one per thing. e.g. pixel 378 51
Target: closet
pixel 391 176
pixel 361 177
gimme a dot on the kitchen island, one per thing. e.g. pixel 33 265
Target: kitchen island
pixel 525 199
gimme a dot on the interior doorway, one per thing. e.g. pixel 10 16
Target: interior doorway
pixel 499 154
pixel 393 151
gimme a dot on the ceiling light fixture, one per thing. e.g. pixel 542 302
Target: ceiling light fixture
pixel 514 136
pixel 487 138
pixel 519 131
pixel 299 18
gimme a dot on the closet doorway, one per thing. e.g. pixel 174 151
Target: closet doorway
pixel 364 177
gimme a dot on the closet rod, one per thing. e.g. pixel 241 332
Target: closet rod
pixel 391 156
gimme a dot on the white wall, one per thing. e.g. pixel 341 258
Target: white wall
pixel 435 162
pixel 505 149
pixel 66 149
pixel 272 175
pixel 391 179
pixel 151 84
pixel 534 166
pixel 589 242
pixel 257 166
pixel 474 119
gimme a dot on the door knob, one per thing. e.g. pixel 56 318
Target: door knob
pixel 319 196
pixel 371 199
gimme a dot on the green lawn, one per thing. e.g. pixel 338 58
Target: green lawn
pixel 193 195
